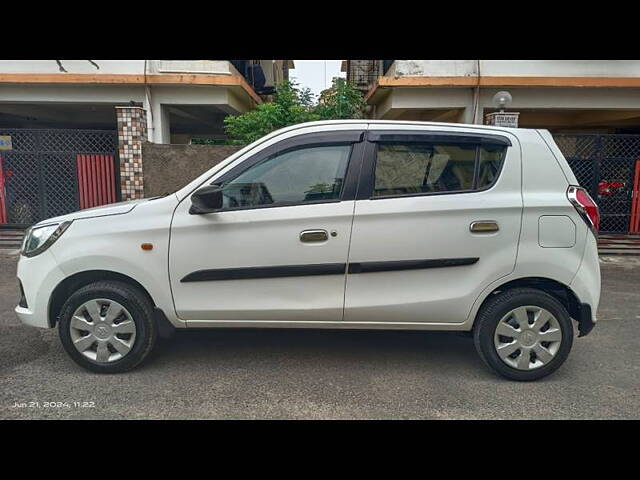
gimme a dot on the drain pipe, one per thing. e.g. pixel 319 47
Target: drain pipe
pixel 148 107
pixel 476 94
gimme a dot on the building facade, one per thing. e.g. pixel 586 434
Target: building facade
pixel 594 96
pixel 592 107
pixel 182 98
pixel 71 131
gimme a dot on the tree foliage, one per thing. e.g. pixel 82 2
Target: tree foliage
pixel 293 105
pixel 341 101
pixel 290 105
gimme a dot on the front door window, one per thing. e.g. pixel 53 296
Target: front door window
pixel 300 176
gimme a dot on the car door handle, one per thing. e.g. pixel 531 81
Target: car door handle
pixel 484 226
pixel 310 236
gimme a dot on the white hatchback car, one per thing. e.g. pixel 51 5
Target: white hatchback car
pixel 341 224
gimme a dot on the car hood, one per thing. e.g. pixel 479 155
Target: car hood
pixel 106 210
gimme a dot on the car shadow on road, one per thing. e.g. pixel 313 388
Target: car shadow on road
pixel 445 352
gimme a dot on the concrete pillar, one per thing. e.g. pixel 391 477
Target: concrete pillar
pixel 161 124
pixel 467 115
pixel 146 104
pixel 165 125
pixel 132 131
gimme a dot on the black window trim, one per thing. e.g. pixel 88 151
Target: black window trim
pixel 373 139
pixel 412 136
pixel 354 138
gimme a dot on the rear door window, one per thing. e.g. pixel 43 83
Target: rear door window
pixel 415 168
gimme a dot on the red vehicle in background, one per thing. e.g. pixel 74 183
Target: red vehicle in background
pixel 608 189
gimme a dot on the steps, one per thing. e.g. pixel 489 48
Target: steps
pixel 11 239
pixel 619 244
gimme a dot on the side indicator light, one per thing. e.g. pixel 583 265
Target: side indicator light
pixel 146 246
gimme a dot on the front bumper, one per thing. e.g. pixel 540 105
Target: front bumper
pixel 27 317
pixel 39 276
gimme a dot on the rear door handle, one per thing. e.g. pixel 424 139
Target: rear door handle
pixel 310 236
pixel 484 226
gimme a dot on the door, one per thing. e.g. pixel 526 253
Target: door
pixel 437 219
pixel 42 177
pixel 96 180
pixel 277 250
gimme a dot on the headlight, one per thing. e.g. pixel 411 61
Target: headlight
pixel 38 239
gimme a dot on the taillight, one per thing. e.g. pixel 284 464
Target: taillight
pixel 585 206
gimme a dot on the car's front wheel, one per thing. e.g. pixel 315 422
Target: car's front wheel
pixel 107 327
pixel 523 334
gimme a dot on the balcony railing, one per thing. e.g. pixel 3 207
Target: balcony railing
pixel 516 68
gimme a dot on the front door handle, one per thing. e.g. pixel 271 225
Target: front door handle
pixel 484 226
pixel 310 236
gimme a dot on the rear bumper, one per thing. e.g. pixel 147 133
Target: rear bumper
pixel 586 322
pixel 586 286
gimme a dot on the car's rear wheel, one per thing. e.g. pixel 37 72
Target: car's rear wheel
pixel 108 327
pixel 523 334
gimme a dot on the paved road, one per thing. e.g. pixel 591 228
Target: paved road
pixel 324 374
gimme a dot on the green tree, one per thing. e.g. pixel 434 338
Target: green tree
pixel 341 101
pixel 293 105
pixel 290 105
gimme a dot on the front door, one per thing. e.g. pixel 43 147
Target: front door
pixel 437 219
pixel 277 250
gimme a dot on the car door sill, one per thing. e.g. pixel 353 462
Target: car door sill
pixel 466 325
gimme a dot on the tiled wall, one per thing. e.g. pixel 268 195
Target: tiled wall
pixel 132 131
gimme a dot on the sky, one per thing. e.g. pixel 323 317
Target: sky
pixel 315 74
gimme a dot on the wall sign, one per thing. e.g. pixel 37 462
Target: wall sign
pixel 502 119
pixel 5 142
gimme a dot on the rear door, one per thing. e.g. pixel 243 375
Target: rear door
pixel 437 219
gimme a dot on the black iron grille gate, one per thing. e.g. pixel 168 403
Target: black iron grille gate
pixel 40 171
pixel 605 165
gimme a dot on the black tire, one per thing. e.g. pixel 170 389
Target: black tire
pixel 496 308
pixel 138 305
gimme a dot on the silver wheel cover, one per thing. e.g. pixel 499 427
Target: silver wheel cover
pixel 102 330
pixel 527 337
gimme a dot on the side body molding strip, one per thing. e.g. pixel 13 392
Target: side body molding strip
pixel 247 273
pixel 369 267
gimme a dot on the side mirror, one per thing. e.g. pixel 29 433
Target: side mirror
pixel 206 200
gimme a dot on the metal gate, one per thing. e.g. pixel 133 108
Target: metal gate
pixel 40 172
pixel 606 165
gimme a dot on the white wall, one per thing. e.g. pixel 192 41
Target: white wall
pixel 527 68
pixel 72 66
pixel 433 68
pixel 71 93
pixel 131 67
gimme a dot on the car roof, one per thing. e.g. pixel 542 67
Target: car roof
pixel 402 122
